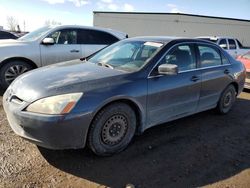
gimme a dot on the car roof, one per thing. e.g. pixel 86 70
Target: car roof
pixel 167 39
pixel 215 37
pixel 119 34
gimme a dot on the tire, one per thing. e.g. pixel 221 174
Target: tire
pixel 112 129
pixel 227 100
pixel 11 70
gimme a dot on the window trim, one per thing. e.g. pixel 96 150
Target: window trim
pixel 197 59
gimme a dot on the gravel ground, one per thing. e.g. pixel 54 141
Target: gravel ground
pixel 202 150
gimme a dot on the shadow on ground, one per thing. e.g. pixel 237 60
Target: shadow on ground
pixel 1 92
pixel 196 151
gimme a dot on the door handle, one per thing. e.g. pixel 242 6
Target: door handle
pixel 226 71
pixel 194 78
pixel 74 51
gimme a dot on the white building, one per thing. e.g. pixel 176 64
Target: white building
pixel 174 24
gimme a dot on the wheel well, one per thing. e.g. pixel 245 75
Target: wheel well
pixel 18 58
pixel 236 87
pixel 133 105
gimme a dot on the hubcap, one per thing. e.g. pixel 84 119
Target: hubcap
pixel 13 72
pixel 227 99
pixel 114 129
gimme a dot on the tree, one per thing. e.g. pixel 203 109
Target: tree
pixel 11 23
pixel 52 22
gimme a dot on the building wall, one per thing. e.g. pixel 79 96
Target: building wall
pixel 140 24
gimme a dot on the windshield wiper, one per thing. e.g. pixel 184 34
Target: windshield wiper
pixel 105 65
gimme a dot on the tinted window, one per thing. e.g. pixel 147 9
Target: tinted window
pixel 87 36
pixel 65 36
pixel 232 44
pixel 182 56
pixel 209 56
pixel 6 35
pixel 224 43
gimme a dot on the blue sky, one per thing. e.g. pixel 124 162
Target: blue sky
pixel 35 12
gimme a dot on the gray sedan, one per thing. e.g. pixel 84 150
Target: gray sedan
pixel 124 89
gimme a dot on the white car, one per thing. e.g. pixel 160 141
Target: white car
pixel 231 45
pixel 51 44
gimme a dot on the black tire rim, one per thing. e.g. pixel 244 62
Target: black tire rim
pixel 228 100
pixel 13 72
pixel 114 129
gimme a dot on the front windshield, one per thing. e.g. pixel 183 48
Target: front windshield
pixel 35 34
pixel 127 55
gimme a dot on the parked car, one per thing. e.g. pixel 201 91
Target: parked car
pixel 126 88
pixel 231 45
pixel 245 59
pixel 51 44
pixel 7 35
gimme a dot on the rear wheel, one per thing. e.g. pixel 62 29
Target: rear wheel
pixel 227 100
pixel 10 71
pixel 112 129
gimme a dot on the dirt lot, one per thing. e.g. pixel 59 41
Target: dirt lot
pixel 202 150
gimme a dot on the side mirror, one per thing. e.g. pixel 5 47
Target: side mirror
pixel 48 41
pixel 168 69
pixel 224 46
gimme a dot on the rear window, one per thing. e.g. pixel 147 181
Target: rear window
pixel 209 56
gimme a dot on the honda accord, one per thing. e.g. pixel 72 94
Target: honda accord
pixel 124 89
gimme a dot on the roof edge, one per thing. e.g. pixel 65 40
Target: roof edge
pixel 164 13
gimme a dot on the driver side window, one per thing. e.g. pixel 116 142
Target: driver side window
pixel 182 56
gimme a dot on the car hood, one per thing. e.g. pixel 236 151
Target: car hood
pixel 66 77
pixel 11 42
pixel 245 61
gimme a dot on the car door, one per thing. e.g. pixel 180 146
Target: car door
pixel 173 96
pixel 215 71
pixel 65 47
pixel 92 40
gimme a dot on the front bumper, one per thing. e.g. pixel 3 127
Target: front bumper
pixel 49 131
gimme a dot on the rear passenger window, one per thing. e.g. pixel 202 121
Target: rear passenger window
pixel 232 44
pixel 209 56
pixel 88 36
pixel 224 60
pixel 182 56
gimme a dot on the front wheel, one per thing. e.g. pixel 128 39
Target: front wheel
pixel 227 100
pixel 11 70
pixel 112 129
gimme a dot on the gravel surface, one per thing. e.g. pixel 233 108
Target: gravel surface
pixel 202 150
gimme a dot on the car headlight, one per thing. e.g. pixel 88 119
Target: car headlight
pixel 59 104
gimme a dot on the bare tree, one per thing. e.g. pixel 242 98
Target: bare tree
pixel 52 22
pixel 11 23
